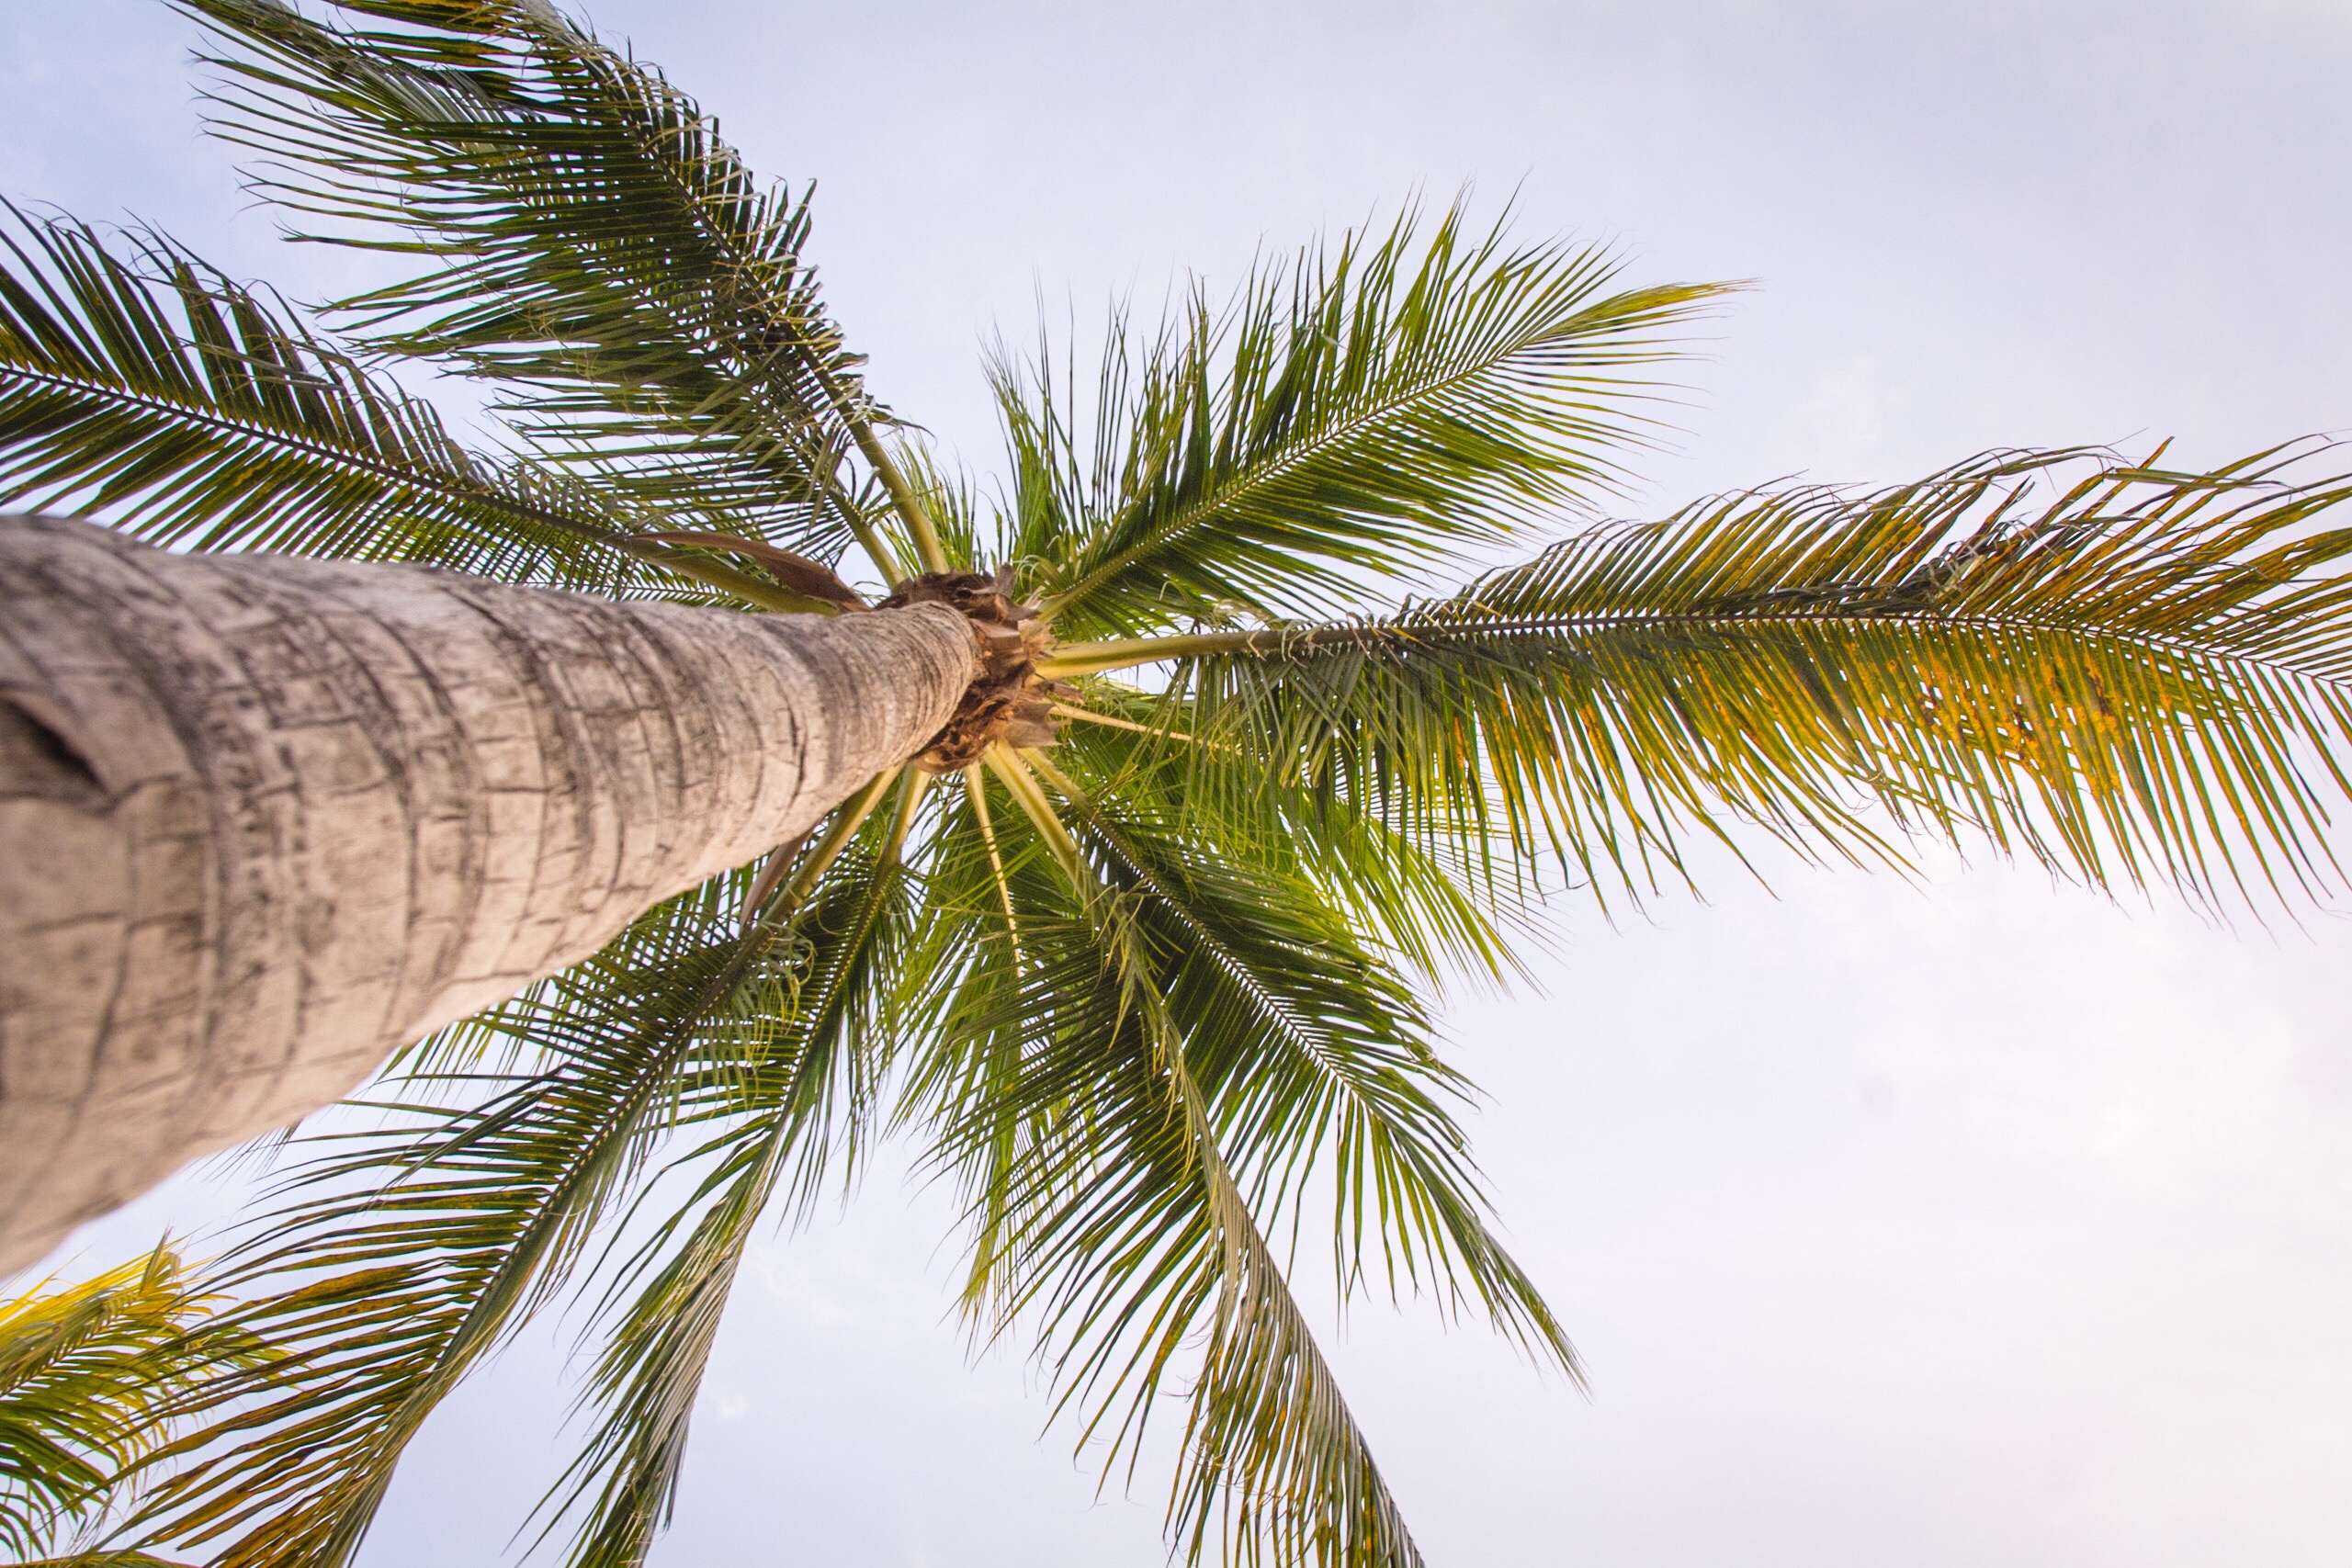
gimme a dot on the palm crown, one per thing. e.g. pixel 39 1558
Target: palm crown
pixel 1151 997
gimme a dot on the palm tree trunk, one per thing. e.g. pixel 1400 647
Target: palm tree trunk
pixel 265 818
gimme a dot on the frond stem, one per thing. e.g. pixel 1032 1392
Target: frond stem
pixel 869 539
pixel 727 579
pixel 1127 653
pixel 1064 710
pixel 977 789
pixel 917 785
pixel 1013 770
pixel 846 823
pixel 1073 658
pixel 903 495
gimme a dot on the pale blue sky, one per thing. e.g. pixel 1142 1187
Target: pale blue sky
pixel 1986 1223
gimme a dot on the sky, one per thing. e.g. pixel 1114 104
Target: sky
pixel 1967 1221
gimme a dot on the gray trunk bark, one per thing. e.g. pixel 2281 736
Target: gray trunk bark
pixel 263 819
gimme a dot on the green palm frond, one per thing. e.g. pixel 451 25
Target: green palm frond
pixel 139 383
pixel 92 1375
pixel 1119 1229
pixel 1359 414
pixel 1429 906
pixel 403 1258
pixel 147 383
pixel 1152 1052
pixel 2144 676
pixel 1312 1051
pixel 792 1116
pixel 593 248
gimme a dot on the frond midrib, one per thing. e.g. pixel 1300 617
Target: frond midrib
pixel 341 457
pixel 782 1125
pixel 1274 642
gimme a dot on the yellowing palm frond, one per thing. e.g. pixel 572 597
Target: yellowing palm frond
pixel 92 1376
pixel 2144 675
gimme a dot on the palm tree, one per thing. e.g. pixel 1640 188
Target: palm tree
pixel 1138 946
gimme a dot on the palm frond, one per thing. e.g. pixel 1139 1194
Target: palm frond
pixel 1409 900
pixel 1312 1051
pixel 144 382
pixel 1356 414
pixel 2141 675
pixel 1119 1230
pixel 788 1118
pixel 591 245
pixel 403 1258
pixel 92 1375
pixel 1131 1093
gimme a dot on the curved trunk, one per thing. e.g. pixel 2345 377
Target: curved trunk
pixel 265 818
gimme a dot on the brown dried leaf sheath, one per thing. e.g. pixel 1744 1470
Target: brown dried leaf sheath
pixel 1009 701
pixel 797 572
